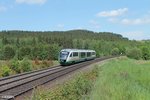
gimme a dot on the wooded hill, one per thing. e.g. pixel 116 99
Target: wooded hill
pixel 46 45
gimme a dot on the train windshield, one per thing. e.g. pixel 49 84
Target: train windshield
pixel 64 55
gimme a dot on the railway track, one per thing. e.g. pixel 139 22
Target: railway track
pixel 13 86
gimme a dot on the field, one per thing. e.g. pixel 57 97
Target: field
pixel 123 79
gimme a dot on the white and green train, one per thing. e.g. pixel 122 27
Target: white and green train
pixel 71 56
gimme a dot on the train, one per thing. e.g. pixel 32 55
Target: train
pixel 72 56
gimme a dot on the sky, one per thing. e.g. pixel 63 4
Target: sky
pixel 130 18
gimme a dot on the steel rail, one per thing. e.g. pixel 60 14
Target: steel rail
pixel 27 81
pixel 18 77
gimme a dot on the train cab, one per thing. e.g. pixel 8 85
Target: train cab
pixel 63 56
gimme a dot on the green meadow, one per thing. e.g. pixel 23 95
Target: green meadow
pixel 123 79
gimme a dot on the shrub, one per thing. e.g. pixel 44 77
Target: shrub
pixel 44 64
pixel 134 53
pixel 5 71
pixel 75 89
pixel 36 61
pixel 145 53
pixel 25 65
pixel 15 65
pixel 50 63
pixel 115 51
pixel 1 53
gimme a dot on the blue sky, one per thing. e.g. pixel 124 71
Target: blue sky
pixel 130 18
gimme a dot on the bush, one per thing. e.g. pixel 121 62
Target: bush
pixel 115 51
pixel 1 53
pixel 75 89
pixel 25 65
pixel 44 64
pixel 134 53
pixel 15 65
pixel 5 71
pixel 36 61
pixel 145 53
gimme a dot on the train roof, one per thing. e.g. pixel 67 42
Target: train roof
pixel 77 50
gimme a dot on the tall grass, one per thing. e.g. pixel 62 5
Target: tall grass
pixel 77 88
pixel 123 79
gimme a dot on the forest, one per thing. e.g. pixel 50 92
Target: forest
pixel 21 46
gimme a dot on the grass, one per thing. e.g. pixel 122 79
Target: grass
pixel 77 88
pixel 123 79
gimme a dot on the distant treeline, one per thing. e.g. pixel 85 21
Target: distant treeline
pixel 46 45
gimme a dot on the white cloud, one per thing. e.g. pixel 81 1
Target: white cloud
pixel 3 8
pixel 135 35
pixel 127 21
pixel 137 21
pixel 113 13
pixel 31 1
pixel 95 24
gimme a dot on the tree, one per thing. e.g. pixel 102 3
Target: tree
pixel 145 53
pixel 18 42
pixel 33 41
pixel 53 51
pixel 9 52
pixel 24 51
pixel 39 52
pixel 134 53
pixel 5 41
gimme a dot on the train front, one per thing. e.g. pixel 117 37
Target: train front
pixel 63 57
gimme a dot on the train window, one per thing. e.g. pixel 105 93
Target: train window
pixel 88 54
pixel 93 53
pixel 71 55
pixel 63 55
pixel 75 54
pixel 82 54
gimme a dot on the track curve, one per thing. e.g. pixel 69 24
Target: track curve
pixel 13 86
